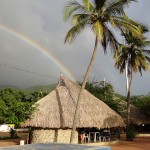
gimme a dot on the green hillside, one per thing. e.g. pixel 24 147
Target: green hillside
pixel 43 88
pixel 6 86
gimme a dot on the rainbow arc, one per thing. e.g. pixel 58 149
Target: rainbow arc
pixel 40 48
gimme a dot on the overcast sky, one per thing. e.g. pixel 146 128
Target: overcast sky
pixel 42 22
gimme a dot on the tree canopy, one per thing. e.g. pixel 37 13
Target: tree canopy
pixel 142 102
pixel 98 16
pixel 16 106
pixel 103 91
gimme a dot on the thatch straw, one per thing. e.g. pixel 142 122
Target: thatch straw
pixel 56 110
pixel 136 116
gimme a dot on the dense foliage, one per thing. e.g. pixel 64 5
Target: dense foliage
pixel 143 102
pixel 131 133
pixel 103 91
pixel 16 106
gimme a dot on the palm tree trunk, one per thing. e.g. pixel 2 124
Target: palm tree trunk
pixel 81 90
pixel 127 79
pixel 128 105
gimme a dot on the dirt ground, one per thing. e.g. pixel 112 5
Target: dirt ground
pixel 142 143
pixel 11 142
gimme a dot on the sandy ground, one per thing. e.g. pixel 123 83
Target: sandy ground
pixel 138 144
pixel 142 143
pixel 12 142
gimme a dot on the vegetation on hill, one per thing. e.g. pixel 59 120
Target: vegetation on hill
pixel 16 105
pixel 42 88
pixel 120 96
pixel 142 102
pixel 6 86
pixel 105 92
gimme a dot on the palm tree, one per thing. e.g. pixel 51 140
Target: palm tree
pixel 132 58
pixel 97 15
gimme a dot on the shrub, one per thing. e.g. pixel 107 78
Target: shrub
pixel 13 133
pixel 131 132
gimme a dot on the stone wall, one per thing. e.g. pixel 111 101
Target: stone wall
pixel 42 136
pixel 64 136
pixel 49 135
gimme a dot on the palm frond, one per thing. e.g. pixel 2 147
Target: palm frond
pixel 112 21
pixel 109 39
pixel 115 8
pixel 136 58
pixel 98 30
pixel 104 43
pixel 148 59
pixel 145 28
pixel 121 62
pixel 79 18
pixel 145 43
pixel 127 25
pixel 140 70
pixel 74 31
pixel 122 67
pixel 88 5
pixel 147 52
pixel 114 44
pixel 72 8
pixel 99 4
pixel 127 2
pixel 139 41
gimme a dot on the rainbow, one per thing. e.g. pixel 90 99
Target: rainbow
pixel 40 48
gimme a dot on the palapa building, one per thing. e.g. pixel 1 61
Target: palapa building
pixel 53 119
pixel 136 116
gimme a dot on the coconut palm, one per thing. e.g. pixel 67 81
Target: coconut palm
pixel 97 15
pixel 132 58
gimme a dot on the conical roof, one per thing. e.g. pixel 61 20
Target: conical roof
pixel 56 110
pixel 136 116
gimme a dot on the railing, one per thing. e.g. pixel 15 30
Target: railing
pixel 99 136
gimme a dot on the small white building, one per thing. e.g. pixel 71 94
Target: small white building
pixel 4 128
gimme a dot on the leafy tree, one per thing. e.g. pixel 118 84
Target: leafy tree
pixel 120 96
pixel 35 96
pixel 103 91
pixel 133 58
pixel 97 15
pixel 15 106
pixel 10 99
pixel 135 100
pixel 145 106
pixel 3 110
pixel 142 102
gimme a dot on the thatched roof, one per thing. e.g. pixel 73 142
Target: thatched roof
pixel 56 110
pixel 136 116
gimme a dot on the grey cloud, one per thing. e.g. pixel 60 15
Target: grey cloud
pixel 42 21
